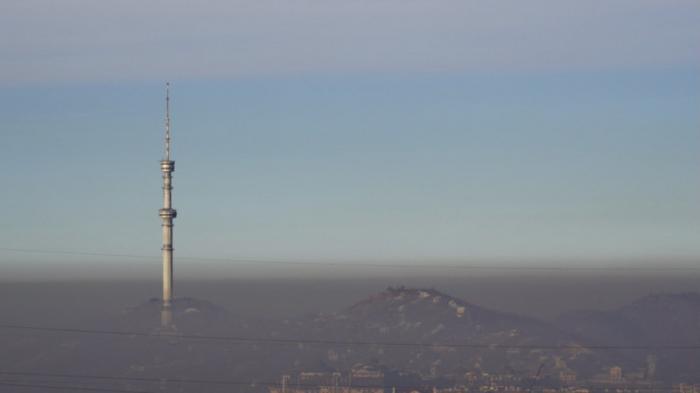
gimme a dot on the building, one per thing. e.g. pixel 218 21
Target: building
pixel 615 374
pixel 360 379
pixel 567 376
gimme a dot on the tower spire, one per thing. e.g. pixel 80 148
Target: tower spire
pixel 167 122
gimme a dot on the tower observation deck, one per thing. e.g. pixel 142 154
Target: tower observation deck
pixel 167 214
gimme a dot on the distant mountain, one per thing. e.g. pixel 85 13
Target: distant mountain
pixel 483 339
pixel 655 320
pixel 663 319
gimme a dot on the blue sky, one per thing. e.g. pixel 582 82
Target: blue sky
pixel 385 131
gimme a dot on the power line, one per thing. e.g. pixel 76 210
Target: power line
pixel 138 379
pixel 360 264
pixel 350 343
pixel 134 379
pixel 74 388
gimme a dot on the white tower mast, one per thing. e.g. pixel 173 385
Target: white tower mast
pixel 167 214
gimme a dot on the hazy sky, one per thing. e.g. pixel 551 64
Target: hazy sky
pixel 363 130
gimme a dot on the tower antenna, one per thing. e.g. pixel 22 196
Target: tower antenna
pixel 167 121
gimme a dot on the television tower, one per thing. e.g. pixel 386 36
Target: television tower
pixel 167 214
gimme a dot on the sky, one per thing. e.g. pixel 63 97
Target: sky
pixel 420 131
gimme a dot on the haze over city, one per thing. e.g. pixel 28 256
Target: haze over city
pixel 375 196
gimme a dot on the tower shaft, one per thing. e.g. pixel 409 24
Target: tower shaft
pixel 167 214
